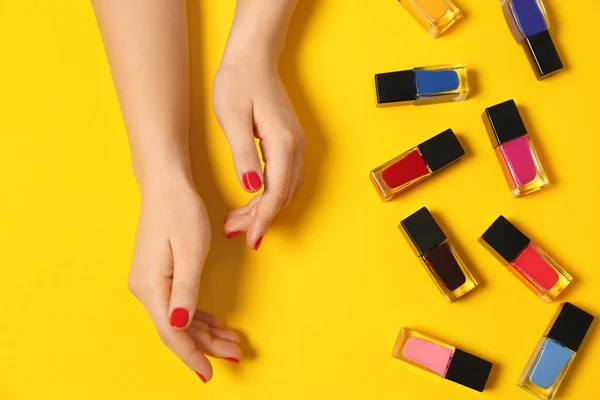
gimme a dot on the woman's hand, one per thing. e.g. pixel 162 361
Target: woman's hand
pixel 172 241
pixel 250 101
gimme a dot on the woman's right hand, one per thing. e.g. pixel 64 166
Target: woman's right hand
pixel 172 241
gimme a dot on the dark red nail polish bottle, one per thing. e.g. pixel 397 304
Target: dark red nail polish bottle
pixel 445 267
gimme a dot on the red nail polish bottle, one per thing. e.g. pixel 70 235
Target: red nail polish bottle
pixel 416 164
pixel 525 260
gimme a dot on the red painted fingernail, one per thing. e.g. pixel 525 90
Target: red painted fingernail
pixel 231 359
pixel 179 317
pixel 202 378
pixel 251 181
pixel 232 234
pixel 258 242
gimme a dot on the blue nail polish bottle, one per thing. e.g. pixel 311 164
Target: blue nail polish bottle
pixel 423 85
pixel 529 24
pixel 555 352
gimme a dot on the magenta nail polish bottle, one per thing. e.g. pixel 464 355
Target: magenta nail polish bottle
pixel 514 149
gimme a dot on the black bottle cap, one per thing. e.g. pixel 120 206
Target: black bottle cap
pixel 441 150
pixel 394 87
pixel 503 122
pixel 506 240
pixel 542 54
pixel 423 231
pixel 570 325
pixel 469 370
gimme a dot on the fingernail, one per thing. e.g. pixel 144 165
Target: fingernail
pixel 232 234
pixel 202 378
pixel 179 317
pixel 231 359
pixel 251 181
pixel 258 242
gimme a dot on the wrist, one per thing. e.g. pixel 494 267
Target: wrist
pixel 241 52
pixel 252 40
pixel 157 179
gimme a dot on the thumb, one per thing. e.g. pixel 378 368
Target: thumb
pixel 186 283
pixel 238 128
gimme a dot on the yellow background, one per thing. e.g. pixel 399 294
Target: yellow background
pixel 322 301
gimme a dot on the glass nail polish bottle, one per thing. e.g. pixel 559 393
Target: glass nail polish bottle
pixel 555 352
pixel 424 85
pixel 525 260
pixel 431 245
pixel 416 164
pixel 434 15
pixel 442 359
pixel 529 24
pixel 517 156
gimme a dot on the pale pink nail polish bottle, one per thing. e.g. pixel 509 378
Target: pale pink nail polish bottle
pixel 514 149
pixel 442 359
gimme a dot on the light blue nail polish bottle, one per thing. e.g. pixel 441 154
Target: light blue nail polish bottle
pixel 555 352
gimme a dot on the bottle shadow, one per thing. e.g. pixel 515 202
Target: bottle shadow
pixel 316 148
pixel 222 274
pixel 554 29
pixel 474 83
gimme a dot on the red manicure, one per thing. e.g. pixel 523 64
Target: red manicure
pixel 258 242
pixel 202 378
pixel 179 317
pixel 231 359
pixel 233 234
pixel 251 181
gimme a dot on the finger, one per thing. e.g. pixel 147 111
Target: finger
pixel 277 182
pixel 156 302
pixel 237 225
pixel 238 128
pixel 207 318
pixel 184 346
pixel 226 334
pixel 188 259
pixel 300 176
pixel 297 165
pixel 245 208
pixel 215 346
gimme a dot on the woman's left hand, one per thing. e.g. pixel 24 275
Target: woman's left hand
pixel 251 102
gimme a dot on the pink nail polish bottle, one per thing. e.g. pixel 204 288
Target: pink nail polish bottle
pixel 442 359
pixel 514 149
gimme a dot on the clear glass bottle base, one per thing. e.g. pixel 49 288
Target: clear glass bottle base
pixel 443 24
pixel 538 183
pixel 436 16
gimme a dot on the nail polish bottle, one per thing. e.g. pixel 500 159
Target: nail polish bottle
pixel 529 24
pixel 525 260
pixel 434 15
pixel 424 85
pixel 442 359
pixel 431 245
pixel 416 164
pixel 513 146
pixel 555 352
